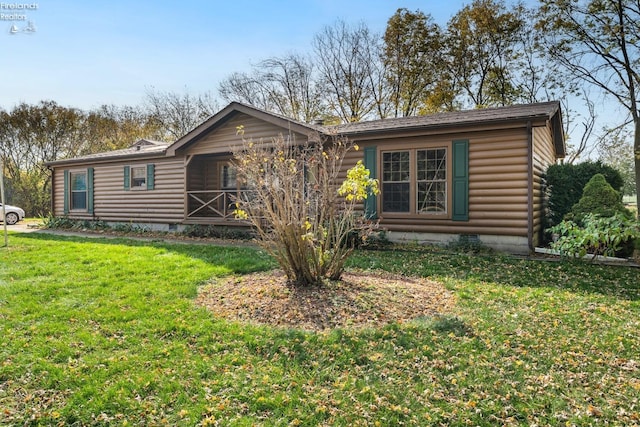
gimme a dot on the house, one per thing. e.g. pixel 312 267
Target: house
pixel 475 173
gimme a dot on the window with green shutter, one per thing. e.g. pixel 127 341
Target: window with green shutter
pixel 371 202
pixel 65 207
pixel 127 178
pixel 151 171
pixel 90 190
pixel 460 180
pixel 78 190
pixel 414 181
pixel 139 177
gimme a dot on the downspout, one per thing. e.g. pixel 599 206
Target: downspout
pixel 530 186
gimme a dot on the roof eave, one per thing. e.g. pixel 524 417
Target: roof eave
pixel 106 159
pixel 460 124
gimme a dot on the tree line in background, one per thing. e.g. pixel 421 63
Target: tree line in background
pixel 488 54
pixel 33 134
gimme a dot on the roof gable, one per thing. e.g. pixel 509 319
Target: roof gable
pixel 231 110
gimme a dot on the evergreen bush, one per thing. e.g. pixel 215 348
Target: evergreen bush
pixel 598 198
pixel 565 183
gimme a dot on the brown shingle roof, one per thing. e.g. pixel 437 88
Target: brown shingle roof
pixel 542 110
pixel 517 113
pixel 141 148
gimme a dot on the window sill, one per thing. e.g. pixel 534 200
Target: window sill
pixel 419 216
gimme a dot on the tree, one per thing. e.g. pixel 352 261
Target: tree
pixel 177 114
pixel 349 63
pixel 483 47
pixel 616 150
pixel 303 215
pixel 285 85
pixel 31 135
pixel 578 124
pixel 413 61
pixel 111 127
pixel 597 42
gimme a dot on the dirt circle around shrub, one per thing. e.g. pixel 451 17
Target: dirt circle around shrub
pixel 358 300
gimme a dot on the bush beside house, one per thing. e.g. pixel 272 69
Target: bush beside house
pixel 598 224
pixel 565 184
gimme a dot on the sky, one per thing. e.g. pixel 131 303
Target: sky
pixel 88 53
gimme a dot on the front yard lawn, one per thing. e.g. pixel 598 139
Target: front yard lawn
pixel 107 332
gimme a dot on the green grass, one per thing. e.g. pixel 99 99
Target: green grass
pixel 105 332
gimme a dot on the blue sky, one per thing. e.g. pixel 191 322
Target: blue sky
pixel 88 53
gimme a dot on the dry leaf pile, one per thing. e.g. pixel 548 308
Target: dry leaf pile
pixel 358 300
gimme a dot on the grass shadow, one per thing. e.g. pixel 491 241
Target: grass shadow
pixel 445 265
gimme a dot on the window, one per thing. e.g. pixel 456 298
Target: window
pixel 395 182
pixel 415 181
pixel 229 177
pixel 432 181
pixel 78 190
pixel 138 177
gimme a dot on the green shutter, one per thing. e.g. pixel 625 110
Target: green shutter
pixel 66 192
pixel 127 177
pixel 371 202
pixel 90 190
pixel 150 176
pixel 460 180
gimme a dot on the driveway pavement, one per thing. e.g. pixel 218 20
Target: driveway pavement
pixel 22 227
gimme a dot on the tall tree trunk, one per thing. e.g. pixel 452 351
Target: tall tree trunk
pixel 636 156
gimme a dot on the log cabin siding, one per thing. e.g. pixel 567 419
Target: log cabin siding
pixel 498 174
pixel 544 155
pixel 225 138
pixel 163 204
pixel 508 153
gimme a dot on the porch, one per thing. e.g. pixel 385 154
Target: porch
pixel 212 190
pixel 213 206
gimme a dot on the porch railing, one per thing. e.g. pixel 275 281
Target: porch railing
pixel 214 203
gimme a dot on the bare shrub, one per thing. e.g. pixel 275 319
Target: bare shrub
pixel 304 217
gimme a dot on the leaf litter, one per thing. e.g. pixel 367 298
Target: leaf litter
pixel 358 300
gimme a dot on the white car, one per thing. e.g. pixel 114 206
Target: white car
pixel 13 214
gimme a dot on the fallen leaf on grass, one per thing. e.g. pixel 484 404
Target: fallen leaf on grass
pixel 357 300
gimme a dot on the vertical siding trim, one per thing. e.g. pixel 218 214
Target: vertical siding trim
pixel 150 176
pixel 530 186
pixel 65 202
pixel 460 180
pixel 127 177
pixel 371 202
pixel 90 190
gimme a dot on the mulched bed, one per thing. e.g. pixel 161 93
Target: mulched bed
pixel 359 300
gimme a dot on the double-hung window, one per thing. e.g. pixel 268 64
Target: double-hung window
pixel 138 177
pixel 431 179
pixel 396 183
pixel 415 181
pixel 78 190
